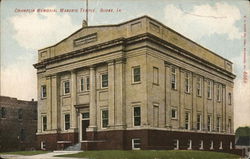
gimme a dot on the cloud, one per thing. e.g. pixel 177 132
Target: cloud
pixel 204 20
pixel 242 103
pixel 19 80
pixel 38 30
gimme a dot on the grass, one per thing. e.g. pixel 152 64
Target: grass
pixel 24 153
pixel 147 154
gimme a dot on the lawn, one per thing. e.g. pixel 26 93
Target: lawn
pixel 147 154
pixel 25 153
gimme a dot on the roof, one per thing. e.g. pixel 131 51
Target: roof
pixel 243 141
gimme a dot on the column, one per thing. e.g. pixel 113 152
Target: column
pixel 120 107
pixel 167 96
pixel 73 100
pixel 92 104
pixel 111 92
pixel 181 91
pixel 54 98
pixel 49 103
pixel 194 102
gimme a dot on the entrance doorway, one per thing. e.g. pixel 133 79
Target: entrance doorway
pixel 84 125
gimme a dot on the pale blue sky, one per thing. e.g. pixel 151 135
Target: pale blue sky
pixel 215 24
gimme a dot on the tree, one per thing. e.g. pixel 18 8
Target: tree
pixel 243 131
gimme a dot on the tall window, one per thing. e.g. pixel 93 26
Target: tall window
pixel 156 115
pixel 136 74
pixel 3 112
pixel 199 122
pixel 173 78
pixel 187 120
pixel 105 118
pixel 66 87
pixel 229 98
pixel 20 114
pixel 209 89
pixel 22 135
pixel 82 84
pixel 43 91
pixel 199 86
pixel 218 92
pixel 66 121
pixel 87 83
pixel 104 83
pixel 209 123
pixel 44 123
pixel 187 87
pixel 137 116
pixel 155 75
pixel 174 113
pixel 218 124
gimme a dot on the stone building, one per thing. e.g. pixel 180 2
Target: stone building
pixel 18 124
pixel 134 85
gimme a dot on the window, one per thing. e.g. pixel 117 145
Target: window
pixel 176 144
pixel 85 116
pixel 20 114
pixel 209 123
pixel 43 145
pixel 173 78
pixel 87 83
pixel 187 121
pixel 66 121
pixel 82 84
pixel 189 144
pixel 187 87
pixel 156 115
pixel 218 92
pixel 231 145
pixel 229 98
pixel 136 74
pixel 44 123
pixel 155 75
pixel 221 145
pixel 199 86
pixel 209 89
pixel 105 118
pixel 136 144
pixel 211 145
pixel 3 112
pixel 66 87
pixel 201 145
pixel 229 126
pixel 199 122
pixel 218 124
pixel 137 116
pixel 22 135
pixel 43 91
pixel 174 113
pixel 104 80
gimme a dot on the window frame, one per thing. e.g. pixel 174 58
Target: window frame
pixel 176 113
pixel 104 119
pixel 176 144
pixel 201 145
pixel 43 91
pixel 199 87
pixel 3 113
pixel 209 89
pixel 173 81
pixel 107 81
pixel 199 116
pixel 82 84
pixel 209 123
pixel 66 123
pixel 133 144
pixel 218 124
pixel 134 75
pixel 218 92
pixel 44 123
pixel 134 117
pixel 187 82
pixel 229 98
pixel 156 75
pixel 187 122
pixel 64 87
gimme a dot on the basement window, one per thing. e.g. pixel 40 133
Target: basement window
pixel 136 144
pixel 211 145
pixel 176 144
pixel 201 145
pixel 43 145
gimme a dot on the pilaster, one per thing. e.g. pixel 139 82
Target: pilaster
pixel 111 92
pixel 167 96
pixel 73 100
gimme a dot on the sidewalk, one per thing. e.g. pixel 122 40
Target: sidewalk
pixel 49 155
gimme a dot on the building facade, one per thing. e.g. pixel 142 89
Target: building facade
pixel 18 124
pixel 134 85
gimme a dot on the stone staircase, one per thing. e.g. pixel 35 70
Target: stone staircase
pixel 76 147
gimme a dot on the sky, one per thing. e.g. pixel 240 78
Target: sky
pixel 216 24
